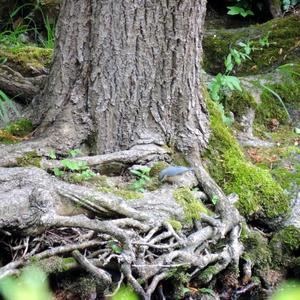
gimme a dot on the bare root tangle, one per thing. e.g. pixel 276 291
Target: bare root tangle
pixel 148 248
pixel 42 147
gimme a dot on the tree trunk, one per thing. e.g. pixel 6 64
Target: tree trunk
pixel 126 73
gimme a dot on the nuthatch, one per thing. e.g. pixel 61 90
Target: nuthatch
pixel 172 171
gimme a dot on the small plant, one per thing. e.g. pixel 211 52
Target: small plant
pixel 6 104
pixel 115 247
pixel 79 170
pixel 237 10
pixel 241 8
pixel 289 4
pixel 214 199
pixel 143 177
pixel 223 82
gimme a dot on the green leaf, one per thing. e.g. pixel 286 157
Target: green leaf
pixel 57 172
pixel 52 154
pixel 234 10
pixel 136 172
pixel 207 291
pixel 71 165
pixel 115 247
pixel 214 199
pixel 232 82
pixel 74 152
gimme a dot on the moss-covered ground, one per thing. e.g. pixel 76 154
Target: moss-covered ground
pixel 27 60
pixel 283 37
pixel 258 191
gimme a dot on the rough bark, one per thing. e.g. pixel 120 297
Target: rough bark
pixel 14 84
pixel 126 73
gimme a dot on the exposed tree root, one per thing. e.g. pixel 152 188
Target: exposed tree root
pixel 148 247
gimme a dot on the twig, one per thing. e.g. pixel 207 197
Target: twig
pixel 102 275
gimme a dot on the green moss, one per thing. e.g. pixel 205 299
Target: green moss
pixel 289 238
pixel 270 106
pixel 125 194
pixel 175 224
pixel 99 181
pixel 20 128
pixel 284 246
pixel 285 177
pixel 27 59
pixel 256 249
pixel 207 275
pixel 157 167
pixel 153 184
pixel 192 207
pixel 29 159
pixel 284 37
pixel 239 103
pixel 55 264
pixel 227 164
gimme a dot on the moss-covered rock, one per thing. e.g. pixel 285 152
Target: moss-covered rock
pixel 239 103
pixel 27 60
pixel 258 191
pixel 271 107
pixel 207 274
pixel 192 207
pixel 284 246
pixel 256 249
pixel 283 38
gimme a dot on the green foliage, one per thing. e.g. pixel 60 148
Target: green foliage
pixel 277 97
pixel 17 35
pixel 207 291
pixel 5 105
pixel 175 224
pixel 215 199
pixel 74 152
pixel 19 128
pixel 283 40
pixel 143 177
pixel 223 82
pixel 288 4
pixel 52 154
pixel 257 190
pixel 31 285
pixel 79 170
pixel 237 10
pixel 115 247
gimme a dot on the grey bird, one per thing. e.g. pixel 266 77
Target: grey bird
pixel 172 171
